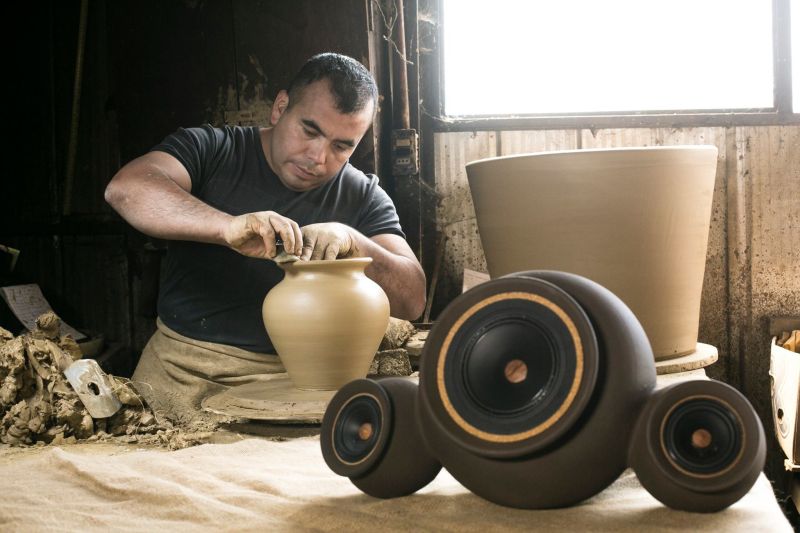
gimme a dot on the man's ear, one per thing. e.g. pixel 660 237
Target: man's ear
pixel 279 106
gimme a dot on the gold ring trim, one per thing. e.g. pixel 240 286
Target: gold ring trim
pixel 573 391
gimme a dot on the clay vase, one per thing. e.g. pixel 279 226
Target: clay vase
pixel 326 320
pixel 698 446
pixel 529 386
pixel 635 220
pixel 370 433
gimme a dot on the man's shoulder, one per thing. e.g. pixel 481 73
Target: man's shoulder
pixel 355 177
pixel 218 135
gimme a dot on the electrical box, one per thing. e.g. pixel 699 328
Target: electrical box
pixel 405 152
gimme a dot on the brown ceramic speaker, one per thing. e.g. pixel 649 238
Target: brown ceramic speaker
pixel 525 381
pixel 370 434
pixel 698 446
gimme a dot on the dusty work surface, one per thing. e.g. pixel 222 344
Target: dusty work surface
pixel 262 485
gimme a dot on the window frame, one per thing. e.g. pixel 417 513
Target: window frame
pixel 780 114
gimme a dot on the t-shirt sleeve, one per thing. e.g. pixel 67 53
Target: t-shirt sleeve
pixel 196 149
pixel 379 215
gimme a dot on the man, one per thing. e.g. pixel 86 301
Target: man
pixel 223 196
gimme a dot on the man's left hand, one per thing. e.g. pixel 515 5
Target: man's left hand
pixel 328 240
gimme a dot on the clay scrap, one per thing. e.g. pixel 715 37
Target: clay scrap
pixel 399 351
pixel 39 406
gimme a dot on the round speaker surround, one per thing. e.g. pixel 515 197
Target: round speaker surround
pixel 515 365
pixel 698 446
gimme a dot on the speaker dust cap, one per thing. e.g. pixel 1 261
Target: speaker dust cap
pixel 356 427
pixel 509 367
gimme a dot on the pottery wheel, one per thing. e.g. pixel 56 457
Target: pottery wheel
pixel 274 399
pixel 703 356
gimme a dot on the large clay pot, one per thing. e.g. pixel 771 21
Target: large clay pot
pixel 326 320
pixel 634 220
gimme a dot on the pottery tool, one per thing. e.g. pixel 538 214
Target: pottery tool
pixel 283 256
pixel 94 388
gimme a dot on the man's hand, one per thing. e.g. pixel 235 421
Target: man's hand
pixel 254 234
pixel 328 240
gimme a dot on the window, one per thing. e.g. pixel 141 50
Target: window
pixel 613 57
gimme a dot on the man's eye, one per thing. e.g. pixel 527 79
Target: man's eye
pixel 341 147
pixel 309 133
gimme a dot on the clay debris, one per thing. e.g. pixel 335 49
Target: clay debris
pixel 39 406
pixel 399 351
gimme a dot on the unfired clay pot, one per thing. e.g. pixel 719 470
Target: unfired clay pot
pixel 326 319
pixel 634 220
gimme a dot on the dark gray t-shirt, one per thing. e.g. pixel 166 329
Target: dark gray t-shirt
pixel 212 293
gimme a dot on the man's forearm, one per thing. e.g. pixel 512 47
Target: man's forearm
pixel 155 205
pixel 401 278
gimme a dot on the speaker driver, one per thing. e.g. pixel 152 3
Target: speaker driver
pixel 510 365
pixel 698 446
pixel 508 332
pixel 371 435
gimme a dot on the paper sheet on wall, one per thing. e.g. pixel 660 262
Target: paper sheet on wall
pixel 27 302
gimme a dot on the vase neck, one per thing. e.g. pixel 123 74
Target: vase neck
pixel 339 266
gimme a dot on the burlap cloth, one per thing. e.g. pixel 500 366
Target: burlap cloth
pixel 175 373
pixel 259 485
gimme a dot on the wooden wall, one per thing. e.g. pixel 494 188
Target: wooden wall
pixel 753 260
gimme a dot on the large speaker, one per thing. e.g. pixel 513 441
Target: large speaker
pixel 370 434
pixel 698 446
pixel 529 386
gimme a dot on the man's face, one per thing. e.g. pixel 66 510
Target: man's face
pixel 311 140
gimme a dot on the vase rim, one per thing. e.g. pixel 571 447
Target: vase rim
pixel 685 148
pixel 325 264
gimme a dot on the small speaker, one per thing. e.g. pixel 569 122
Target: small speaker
pixel 698 446
pixel 370 435
pixel 522 382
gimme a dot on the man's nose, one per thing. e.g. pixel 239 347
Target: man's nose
pixel 316 151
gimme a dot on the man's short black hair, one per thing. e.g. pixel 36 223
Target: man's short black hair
pixel 351 84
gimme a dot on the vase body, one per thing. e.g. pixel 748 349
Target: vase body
pixel 634 220
pixel 326 320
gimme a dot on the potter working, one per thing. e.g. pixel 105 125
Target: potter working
pixel 222 197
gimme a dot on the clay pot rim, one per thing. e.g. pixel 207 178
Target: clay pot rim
pixel 700 148
pixel 327 264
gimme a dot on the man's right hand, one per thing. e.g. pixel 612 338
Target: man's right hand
pixel 254 234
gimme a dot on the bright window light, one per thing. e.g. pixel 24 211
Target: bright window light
pixel 515 57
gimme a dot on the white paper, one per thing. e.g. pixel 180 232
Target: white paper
pixel 27 303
